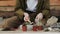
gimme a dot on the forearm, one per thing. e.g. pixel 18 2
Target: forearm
pixel 46 9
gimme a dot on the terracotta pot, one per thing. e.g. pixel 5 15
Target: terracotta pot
pixel 29 27
pixel 24 28
pixel 40 27
pixel 34 28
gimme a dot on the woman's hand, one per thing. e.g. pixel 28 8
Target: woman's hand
pixel 26 17
pixel 39 16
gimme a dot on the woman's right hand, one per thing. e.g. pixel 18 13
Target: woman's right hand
pixel 26 17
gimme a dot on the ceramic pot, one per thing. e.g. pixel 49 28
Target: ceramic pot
pixel 34 28
pixel 27 27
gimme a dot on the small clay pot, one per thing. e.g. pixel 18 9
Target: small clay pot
pixel 24 28
pixel 40 27
pixel 34 28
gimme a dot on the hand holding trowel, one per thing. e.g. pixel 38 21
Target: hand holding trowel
pixel 27 18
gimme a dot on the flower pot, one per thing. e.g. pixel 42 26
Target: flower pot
pixel 24 28
pixel 40 27
pixel 27 27
pixel 34 28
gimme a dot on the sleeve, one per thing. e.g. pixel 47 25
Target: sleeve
pixel 46 5
pixel 19 8
pixel 46 9
pixel 19 12
pixel 18 4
